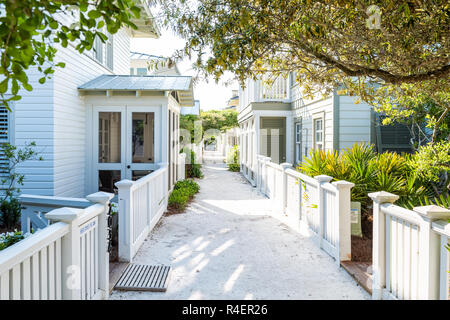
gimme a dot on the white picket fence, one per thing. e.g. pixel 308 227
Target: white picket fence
pixel 410 260
pixel 311 204
pixel 141 205
pixel 65 260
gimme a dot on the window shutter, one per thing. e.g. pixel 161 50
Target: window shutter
pixel 395 137
pixel 4 138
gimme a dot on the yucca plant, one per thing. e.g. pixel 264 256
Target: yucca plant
pixel 315 164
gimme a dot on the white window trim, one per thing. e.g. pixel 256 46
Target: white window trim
pixel 298 142
pixel 315 117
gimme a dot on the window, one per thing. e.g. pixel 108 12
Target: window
pixel 141 71
pixel 98 50
pixel 318 133
pixel 109 52
pixel 293 76
pixel 131 71
pixel 103 52
pixel 298 142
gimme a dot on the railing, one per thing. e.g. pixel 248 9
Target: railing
pixel 278 90
pixel 65 260
pixel 312 204
pixel 141 205
pixel 410 260
pixel 35 207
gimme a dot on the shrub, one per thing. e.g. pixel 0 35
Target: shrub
pixel 10 213
pixel 13 180
pixel 178 199
pixel 416 179
pixel 193 169
pixel 7 239
pixel 233 159
pixel 182 192
pixel 189 186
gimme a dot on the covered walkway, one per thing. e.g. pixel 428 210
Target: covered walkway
pixel 227 246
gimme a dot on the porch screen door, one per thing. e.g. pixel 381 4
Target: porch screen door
pixel 108 148
pixel 125 144
pixel 143 145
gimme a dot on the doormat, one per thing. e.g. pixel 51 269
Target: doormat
pixel 142 277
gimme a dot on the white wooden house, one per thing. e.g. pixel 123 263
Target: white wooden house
pixel 276 121
pixel 94 123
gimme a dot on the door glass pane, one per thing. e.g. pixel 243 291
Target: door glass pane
pixel 109 137
pixel 137 174
pixel 107 179
pixel 142 137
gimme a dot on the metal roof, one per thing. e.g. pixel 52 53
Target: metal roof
pixel 181 84
pixel 132 82
pixel 145 56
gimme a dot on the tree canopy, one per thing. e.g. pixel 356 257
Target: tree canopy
pixel 385 51
pixel 221 120
pixel 29 30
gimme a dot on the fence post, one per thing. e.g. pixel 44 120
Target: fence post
pixel 258 172
pixel 181 166
pixel 125 220
pixel 320 207
pixel 429 251
pixel 343 198
pixel 102 198
pixel 379 241
pixel 70 248
pixel 283 199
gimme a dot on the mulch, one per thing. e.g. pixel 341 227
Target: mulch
pixel 362 246
pixel 361 249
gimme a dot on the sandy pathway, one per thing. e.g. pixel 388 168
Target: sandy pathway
pixel 226 246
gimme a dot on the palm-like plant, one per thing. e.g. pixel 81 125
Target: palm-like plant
pixel 371 172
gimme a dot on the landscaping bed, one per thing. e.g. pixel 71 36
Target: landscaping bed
pixel 183 193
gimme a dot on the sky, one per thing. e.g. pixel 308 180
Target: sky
pixel 210 94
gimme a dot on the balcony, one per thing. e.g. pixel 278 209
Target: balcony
pixel 262 91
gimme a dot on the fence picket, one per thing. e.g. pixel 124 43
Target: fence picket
pixel 141 204
pixel 407 268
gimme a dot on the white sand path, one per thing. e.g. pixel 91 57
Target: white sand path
pixel 227 246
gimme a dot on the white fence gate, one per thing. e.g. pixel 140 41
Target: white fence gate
pixel 410 260
pixel 314 204
pixel 141 205
pixel 65 260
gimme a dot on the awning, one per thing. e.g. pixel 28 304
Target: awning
pixel 146 25
pixel 181 84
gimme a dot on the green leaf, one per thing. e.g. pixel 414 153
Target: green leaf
pixel 4 85
pixel 94 14
pixel 27 86
pixel 53 24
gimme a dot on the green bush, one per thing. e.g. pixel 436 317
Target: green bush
pixel 178 199
pixel 10 210
pixel 369 171
pixel 233 159
pixel 418 179
pixel 193 169
pixel 182 192
pixel 189 186
pixel 7 239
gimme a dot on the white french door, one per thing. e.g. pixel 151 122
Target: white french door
pixel 126 144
